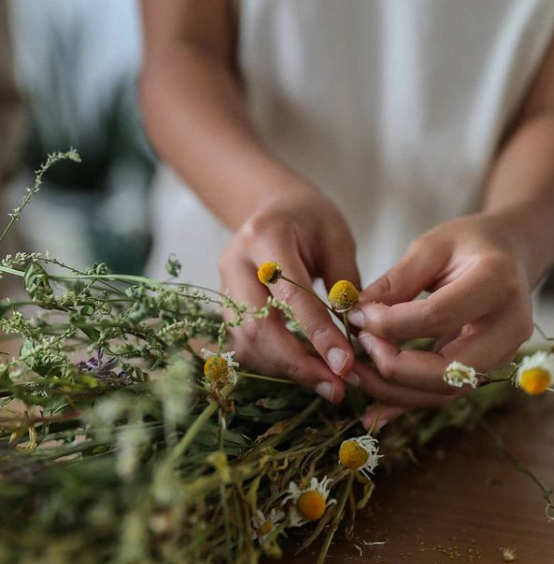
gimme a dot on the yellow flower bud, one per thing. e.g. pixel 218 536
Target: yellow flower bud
pixel 311 505
pixel 343 296
pixel 216 369
pixel 270 272
pixel 352 454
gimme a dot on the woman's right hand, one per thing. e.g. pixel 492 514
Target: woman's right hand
pixel 306 233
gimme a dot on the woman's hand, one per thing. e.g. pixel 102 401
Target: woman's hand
pixel 306 233
pixel 479 310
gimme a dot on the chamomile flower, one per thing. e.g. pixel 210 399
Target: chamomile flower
pixel 343 296
pixel 536 373
pixel 308 504
pixel 360 454
pixel 458 374
pixel 220 367
pixel 270 272
pixel 263 525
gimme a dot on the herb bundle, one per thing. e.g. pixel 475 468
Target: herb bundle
pixel 121 441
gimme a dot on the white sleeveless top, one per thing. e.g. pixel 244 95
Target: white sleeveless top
pixel 393 108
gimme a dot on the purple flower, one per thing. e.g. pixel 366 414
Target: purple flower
pixel 96 366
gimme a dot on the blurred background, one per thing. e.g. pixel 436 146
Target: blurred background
pixel 75 64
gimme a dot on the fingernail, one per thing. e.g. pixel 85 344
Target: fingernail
pixel 356 317
pixel 325 390
pixel 337 359
pixel 352 379
pixel 366 341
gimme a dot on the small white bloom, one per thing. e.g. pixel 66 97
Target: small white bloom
pixel 458 374
pixel 309 504
pixel 228 357
pixel 360 454
pixel 263 526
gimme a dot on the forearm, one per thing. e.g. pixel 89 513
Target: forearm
pixel 521 190
pixel 196 118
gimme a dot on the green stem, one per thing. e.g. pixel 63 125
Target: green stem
pixel 374 424
pixel 347 327
pixel 309 290
pixel 199 422
pixel 266 378
pixel 51 160
pixel 336 519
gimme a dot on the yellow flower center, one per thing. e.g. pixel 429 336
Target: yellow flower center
pixel 535 381
pixel 352 455
pixel 270 272
pixel 216 369
pixel 266 528
pixel 311 505
pixel 343 296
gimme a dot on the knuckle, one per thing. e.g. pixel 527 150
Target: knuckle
pixel 294 372
pixel 382 325
pixel 259 226
pixel 224 259
pixel 383 285
pixel 317 333
pixel 387 369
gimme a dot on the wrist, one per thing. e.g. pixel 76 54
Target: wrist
pixel 529 235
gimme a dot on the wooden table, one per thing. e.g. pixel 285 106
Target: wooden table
pixel 465 502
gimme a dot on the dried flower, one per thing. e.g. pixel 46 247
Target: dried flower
pixel 263 526
pixel 360 454
pixel 270 272
pixel 220 367
pixel 458 374
pixel 536 373
pixel 508 554
pixel 343 296
pixel 309 504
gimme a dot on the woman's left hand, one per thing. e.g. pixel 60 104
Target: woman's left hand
pixel 479 310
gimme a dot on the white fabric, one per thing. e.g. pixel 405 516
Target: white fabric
pixel 394 108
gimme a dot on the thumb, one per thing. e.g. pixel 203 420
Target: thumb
pixel 415 272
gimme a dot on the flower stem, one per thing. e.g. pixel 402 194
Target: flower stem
pixel 347 328
pixel 546 492
pixel 309 290
pixel 336 519
pixel 187 439
pixel 266 378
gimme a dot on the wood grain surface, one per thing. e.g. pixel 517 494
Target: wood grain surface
pixel 465 501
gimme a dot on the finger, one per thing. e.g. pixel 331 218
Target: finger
pixel 409 277
pixel 311 314
pixel 341 266
pixel 266 345
pixel 445 311
pixel 378 415
pixel 416 370
pixel 374 385
pixel 487 345
pixel 494 341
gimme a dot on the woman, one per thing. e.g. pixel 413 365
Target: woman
pixel 307 127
